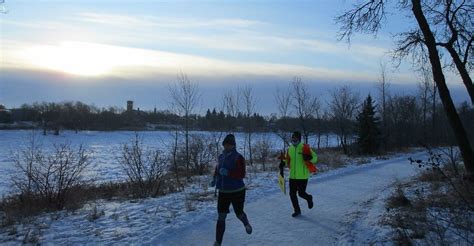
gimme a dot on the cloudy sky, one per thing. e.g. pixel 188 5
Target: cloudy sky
pixel 105 52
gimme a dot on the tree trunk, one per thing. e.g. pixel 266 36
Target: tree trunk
pixel 438 76
pixel 187 145
pixel 434 138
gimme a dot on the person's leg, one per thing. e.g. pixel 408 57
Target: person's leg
pixel 223 204
pixel 220 228
pixel 238 201
pixel 294 198
pixel 302 184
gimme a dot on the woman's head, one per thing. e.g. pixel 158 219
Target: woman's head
pixel 229 141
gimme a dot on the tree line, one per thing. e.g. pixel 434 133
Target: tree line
pixel 392 121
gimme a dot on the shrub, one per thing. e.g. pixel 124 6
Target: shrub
pixel 144 168
pixel 201 154
pixel 47 179
pixel 262 150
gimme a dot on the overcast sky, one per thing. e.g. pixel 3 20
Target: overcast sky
pixel 106 52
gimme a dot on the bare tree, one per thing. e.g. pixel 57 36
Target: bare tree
pixel 384 94
pixel 403 117
pixel 262 148
pixel 455 34
pixel 283 101
pixel 384 85
pixel 249 103
pixel 424 88
pixel 436 21
pixel 231 107
pixel 185 96
pixel 344 104
pixel 305 105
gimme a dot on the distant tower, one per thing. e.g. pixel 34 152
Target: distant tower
pixel 129 106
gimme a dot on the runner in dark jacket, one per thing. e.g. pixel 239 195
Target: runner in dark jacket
pixel 228 179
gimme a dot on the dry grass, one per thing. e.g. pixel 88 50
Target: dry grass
pixel 332 157
pixel 17 208
pixel 398 199
pixel 440 211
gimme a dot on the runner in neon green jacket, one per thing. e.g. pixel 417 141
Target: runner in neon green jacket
pixel 298 166
pixel 300 161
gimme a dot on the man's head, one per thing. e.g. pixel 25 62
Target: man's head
pixel 229 141
pixel 296 138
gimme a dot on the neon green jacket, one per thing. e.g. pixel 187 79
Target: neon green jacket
pixel 294 160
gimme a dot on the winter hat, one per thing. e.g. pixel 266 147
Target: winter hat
pixel 229 139
pixel 296 135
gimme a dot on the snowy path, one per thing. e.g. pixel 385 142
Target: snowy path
pixel 343 213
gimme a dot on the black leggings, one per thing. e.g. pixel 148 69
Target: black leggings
pixel 298 186
pixel 237 199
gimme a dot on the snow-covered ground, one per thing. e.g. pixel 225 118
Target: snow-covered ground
pixel 348 205
pixel 105 147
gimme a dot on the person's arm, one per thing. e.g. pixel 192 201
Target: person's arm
pixel 239 171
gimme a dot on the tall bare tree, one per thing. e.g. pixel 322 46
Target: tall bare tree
pixel 283 101
pixel 185 97
pixel 424 87
pixel 384 85
pixel 455 33
pixel 344 104
pixel 231 107
pixel 435 21
pixel 249 103
pixel 305 105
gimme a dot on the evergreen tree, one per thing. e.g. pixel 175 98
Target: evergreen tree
pixel 368 130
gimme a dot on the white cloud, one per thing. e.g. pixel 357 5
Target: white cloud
pixel 168 22
pixel 91 59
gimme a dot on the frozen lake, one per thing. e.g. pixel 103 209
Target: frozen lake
pixel 105 147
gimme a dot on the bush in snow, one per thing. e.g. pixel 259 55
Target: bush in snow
pixel 201 154
pixel 145 169
pixel 262 152
pixel 47 179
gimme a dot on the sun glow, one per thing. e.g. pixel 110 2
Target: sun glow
pixel 84 59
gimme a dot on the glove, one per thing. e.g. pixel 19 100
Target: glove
pixel 282 165
pixel 213 182
pixel 307 157
pixel 223 171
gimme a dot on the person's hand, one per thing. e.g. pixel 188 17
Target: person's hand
pixel 213 182
pixel 307 157
pixel 223 171
pixel 282 165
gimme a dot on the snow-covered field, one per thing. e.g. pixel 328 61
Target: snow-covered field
pixel 105 147
pixel 348 205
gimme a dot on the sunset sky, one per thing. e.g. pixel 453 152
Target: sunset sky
pixel 105 52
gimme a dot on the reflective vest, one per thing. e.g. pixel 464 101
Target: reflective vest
pixel 296 164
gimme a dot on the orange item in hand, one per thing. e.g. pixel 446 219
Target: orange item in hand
pixel 307 151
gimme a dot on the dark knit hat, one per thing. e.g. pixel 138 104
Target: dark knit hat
pixel 229 139
pixel 296 135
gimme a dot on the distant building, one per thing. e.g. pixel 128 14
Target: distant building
pixel 129 106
